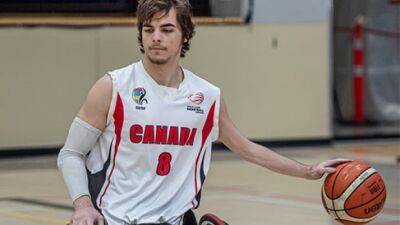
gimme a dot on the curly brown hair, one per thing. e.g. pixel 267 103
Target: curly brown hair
pixel 148 8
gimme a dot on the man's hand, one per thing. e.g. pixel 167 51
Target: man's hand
pixel 85 213
pixel 318 170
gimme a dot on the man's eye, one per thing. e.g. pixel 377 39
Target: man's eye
pixel 168 30
pixel 148 30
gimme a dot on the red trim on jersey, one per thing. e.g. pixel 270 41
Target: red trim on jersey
pixel 208 125
pixel 118 122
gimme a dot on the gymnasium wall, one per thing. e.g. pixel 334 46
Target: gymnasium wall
pixel 274 77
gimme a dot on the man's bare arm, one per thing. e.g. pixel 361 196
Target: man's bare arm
pixel 83 135
pixel 260 155
pixel 95 109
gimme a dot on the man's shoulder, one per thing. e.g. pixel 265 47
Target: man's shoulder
pixel 122 70
pixel 199 81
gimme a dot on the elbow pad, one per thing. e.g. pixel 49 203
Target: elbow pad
pixel 71 160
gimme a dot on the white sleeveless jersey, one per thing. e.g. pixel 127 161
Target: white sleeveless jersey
pixel 150 163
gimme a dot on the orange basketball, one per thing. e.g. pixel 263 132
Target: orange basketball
pixel 354 194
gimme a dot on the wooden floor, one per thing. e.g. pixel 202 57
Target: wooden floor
pixel 32 190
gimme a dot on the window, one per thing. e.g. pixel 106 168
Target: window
pixel 200 7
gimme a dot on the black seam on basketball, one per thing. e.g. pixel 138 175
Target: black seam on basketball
pixel 353 221
pixel 333 188
pixel 323 198
pixel 338 210
pixel 359 186
pixel 352 182
pixel 365 204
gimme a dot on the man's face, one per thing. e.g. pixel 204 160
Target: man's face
pixel 162 38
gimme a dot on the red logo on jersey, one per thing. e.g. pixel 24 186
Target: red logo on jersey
pixel 197 98
pixel 162 135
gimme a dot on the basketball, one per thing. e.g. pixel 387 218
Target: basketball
pixel 354 194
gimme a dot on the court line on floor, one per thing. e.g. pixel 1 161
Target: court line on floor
pixel 30 217
pixel 394 222
pixel 286 202
pixel 39 203
pixel 391 209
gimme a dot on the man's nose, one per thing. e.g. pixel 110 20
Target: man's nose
pixel 157 36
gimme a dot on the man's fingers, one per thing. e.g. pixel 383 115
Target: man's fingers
pixel 330 170
pixel 333 162
pixel 327 166
pixel 87 216
pixel 100 220
pixel 89 222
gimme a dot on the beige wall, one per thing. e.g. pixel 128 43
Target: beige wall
pixel 44 77
pixel 272 92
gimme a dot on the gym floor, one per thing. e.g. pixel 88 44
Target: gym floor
pixel 32 191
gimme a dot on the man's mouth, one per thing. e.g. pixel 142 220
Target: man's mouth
pixel 157 48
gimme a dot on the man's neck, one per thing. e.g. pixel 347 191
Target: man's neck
pixel 169 74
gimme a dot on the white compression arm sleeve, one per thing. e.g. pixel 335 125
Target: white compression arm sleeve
pixel 71 160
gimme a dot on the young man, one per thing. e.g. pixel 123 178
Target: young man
pixel 140 147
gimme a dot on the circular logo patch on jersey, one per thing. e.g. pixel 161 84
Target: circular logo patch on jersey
pixel 138 95
pixel 197 98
